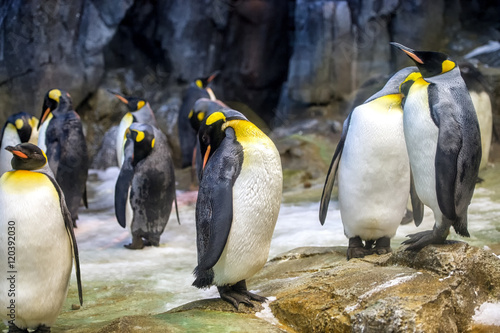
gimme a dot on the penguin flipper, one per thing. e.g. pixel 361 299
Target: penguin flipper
pixel 214 207
pixel 332 172
pixel 417 205
pixel 123 185
pixel 68 221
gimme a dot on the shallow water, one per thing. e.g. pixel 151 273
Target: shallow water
pixel 119 282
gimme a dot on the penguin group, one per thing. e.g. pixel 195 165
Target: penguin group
pixel 418 136
pixel 416 139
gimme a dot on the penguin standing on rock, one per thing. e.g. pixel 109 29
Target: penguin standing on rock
pixel 145 188
pixel 61 137
pixel 139 111
pixel 19 128
pixel 37 229
pixel 443 142
pixel 373 171
pixel 199 88
pixel 238 204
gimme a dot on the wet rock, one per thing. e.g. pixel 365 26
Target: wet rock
pixel 434 290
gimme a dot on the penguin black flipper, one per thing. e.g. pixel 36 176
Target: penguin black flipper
pixel 416 204
pixel 214 207
pixel 68 221
pixel 332 172
pixel 123 185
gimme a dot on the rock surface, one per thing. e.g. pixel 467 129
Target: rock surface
pixel 314 289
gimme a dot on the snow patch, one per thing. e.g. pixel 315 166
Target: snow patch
pixel 488 314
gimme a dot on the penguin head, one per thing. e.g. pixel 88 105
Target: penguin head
pixel 23 123
pixel 133 103
pixel 55 99
pixel 429 63
pixel 143 138
pixel 212 131
pixel 27 156
pixel 203 82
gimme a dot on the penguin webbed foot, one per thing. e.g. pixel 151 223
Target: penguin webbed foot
pixel 15 329
pixel 382 246
pixel 137 243
pixel 42 329
pixel 356 249
pixel 421 239
pixel 238 293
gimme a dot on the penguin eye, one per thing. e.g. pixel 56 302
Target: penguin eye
pixel 205 139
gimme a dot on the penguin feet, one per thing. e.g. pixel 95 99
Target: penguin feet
pixel 238 293
pixel 42 329
pixel 15 329
pixel 137 243
pixel 356 249
pixel 421 239
pixel 382 245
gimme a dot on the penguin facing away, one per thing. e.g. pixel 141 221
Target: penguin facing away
pixel 373 172
pixel 443 142
pixel 199 88
pixel 139 111
pixel 238 204
pixel 145 188
pixel 19 127
pixel 44 252
pixel 61 134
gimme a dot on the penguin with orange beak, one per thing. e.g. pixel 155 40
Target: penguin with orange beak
pixel 61 137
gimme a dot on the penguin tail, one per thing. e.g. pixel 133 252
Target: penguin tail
pixel 460 226
pixel 204 278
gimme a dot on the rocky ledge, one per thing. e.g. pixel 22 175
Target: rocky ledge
pixel 317 290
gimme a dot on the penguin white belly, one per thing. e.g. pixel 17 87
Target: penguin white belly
pixel 374 173
pixel 421 135
pixel 10 138
pixel 42 131
pixel 120 136
pixel 482 104
pixel 129 213
pixel 256 203
pixel 43 256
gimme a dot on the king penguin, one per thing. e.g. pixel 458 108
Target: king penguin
pixel 19 128
pixel 139 111
pixel 199 88
pixel 238 204
pixel 443 142
pixel 145 188
pixel 61 137
pixel 38 243
pixel 373 171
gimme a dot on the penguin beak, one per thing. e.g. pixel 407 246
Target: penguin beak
pixel 121 98
pixel 212 76
pixel 44 116
pixel 16 152
pixel 205 158
pixel 408 51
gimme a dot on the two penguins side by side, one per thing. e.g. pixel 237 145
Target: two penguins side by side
pixel 431 150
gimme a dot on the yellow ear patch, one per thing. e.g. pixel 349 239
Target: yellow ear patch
pixel 19 123
pixel 199 84
pixel 153 143
pixel 447 66
pixel 140 104
pixel 140 136
pixel 190 115
pixel 214 117
pixel 55 94
pixel 201 116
